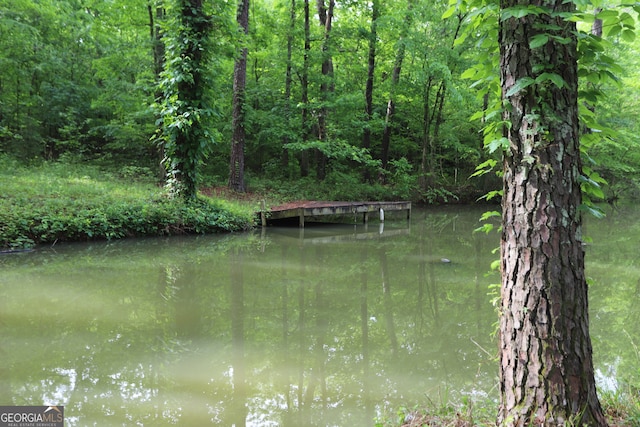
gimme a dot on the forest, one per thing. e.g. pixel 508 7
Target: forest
pixel 534 103
pixel 337 94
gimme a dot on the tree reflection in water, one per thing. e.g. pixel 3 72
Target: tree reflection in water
pixel 330 325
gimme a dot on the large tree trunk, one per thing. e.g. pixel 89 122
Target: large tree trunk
pixel 546 369
pixel 236 164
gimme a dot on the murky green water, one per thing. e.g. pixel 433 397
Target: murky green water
pixel 327 327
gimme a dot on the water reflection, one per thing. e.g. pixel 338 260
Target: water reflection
pixel 613 274
pixel 322 326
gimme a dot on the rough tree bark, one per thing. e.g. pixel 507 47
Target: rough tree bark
pixel 236 164
pixel 546 369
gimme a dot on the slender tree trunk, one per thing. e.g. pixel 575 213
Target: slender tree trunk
pixel 17 110
pixel 546 370
pixel 596 27
pixel 236 164
pixel 288 81
pixel 395 79
pixel 368 93
pixel 433 118
pixel 439 108
pixel 326 86
pixel 1 97
pixel 426 178
pixel 306 126
pixel 596 30
pixel 156 14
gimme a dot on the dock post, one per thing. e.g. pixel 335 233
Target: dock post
pixel 263 215
pixel 301 215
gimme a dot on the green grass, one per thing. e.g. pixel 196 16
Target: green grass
pixel 72 202
pixel 621 407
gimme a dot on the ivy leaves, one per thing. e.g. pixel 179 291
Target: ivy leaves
pixel 615 22
pixel 186 138
pixel 525 82
pixel 595 67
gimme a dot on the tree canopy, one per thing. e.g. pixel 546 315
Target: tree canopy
pixel 80 79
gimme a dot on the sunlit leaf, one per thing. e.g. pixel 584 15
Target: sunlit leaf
pixel 449 12
pixel 628 35
pixel 489 214
pixel 498 144
pixel 614 30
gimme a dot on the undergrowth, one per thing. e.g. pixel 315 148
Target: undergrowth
pixel 621 408
pixel 59 201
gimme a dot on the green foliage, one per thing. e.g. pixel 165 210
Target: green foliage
pixel 336 149
pixel 341 184
pixel 186 110
pixel 622 407
pixel 75 78
pixel 79 79
pixel 60 201
pixel 401 180
pixel 597 70
pixel 487 227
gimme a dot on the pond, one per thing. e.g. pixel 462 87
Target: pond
pixel 324 326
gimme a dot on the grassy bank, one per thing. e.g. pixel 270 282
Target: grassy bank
pixel 621 407
pixel 50 202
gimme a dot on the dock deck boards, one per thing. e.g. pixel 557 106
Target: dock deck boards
pixel 305 209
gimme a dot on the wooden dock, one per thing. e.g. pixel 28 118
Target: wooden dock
pixel 307 209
